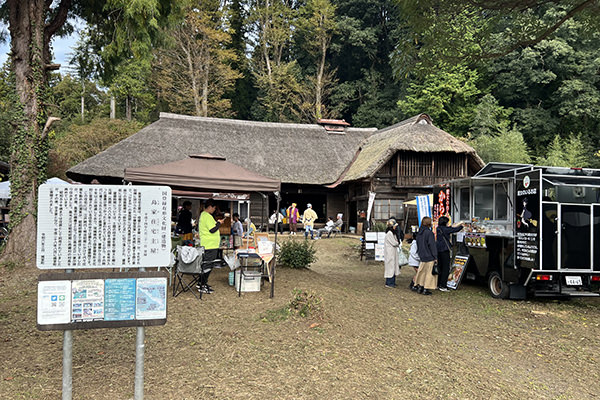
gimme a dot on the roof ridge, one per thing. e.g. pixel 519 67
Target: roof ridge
pixel 164 115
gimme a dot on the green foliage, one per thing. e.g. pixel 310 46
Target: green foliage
pixel 379 227
pixel 507 146
pixel 569 152
pixel 67 92
pixel 306 304
pixel 297 253
pixel 80 142
pixel 8 99
pixel 448 95
pixel 277 315
pixel 197 69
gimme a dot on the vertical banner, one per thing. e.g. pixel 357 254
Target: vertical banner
pixel 527 217
pixel 441 202
pixel 370 208
pixel 423 208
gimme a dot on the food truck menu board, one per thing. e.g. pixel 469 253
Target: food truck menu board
pixel 527 215
pixel 103 226
pixel 457 271
pixel 101 300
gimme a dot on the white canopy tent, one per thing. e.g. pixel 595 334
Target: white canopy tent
pixel 5 186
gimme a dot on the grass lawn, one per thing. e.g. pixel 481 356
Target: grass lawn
pixel 369 342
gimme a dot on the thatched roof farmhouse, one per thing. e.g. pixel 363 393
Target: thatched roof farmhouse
pixel 331 165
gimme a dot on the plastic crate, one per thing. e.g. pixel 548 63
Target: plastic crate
pixel 250 281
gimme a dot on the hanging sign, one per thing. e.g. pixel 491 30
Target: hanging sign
pixel 370 205
pixel 103 226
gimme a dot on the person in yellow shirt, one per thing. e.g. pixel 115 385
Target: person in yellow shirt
pixel 210 239
pixel 308 219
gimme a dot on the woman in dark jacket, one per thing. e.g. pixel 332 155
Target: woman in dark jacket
pixel 427 250
pixel 443 248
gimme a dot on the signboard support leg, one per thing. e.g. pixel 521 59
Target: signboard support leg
pixel 67 378
pixel 139 361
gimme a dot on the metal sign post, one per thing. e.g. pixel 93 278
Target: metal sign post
pixel 67 380
pixel 139 361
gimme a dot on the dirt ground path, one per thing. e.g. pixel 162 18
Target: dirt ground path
pixel 372 343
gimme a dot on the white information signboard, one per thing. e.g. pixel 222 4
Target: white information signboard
pixel 54 302
pixel 103 226
pixel 379 252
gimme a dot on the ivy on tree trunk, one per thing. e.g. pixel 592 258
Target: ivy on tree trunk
pixel 30 34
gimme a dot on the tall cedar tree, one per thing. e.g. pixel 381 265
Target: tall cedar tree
pixel 131 28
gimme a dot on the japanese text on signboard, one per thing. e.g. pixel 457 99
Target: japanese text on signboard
pixel 103 226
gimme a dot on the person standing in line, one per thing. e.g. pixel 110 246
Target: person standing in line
pixel 308 219
pixel 237 230
pixel 413 261
pixel 427 250
pixel 210 238
pixel 390 254
pixel 293 215
pixel 443 247
pixel 184 221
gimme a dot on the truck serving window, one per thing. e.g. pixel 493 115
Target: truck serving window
pixel 483 202
pixel 465 200
pixel 501 202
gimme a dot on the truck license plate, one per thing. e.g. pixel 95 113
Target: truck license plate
pixel 573 280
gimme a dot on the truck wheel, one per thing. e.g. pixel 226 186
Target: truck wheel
pixel 498 288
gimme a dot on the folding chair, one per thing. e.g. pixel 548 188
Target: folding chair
pixel 334 232
pixel 188 275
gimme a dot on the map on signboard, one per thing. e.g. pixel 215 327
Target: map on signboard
pixel 151 298
pixel 103 226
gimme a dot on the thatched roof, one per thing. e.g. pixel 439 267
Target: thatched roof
pixel 416 134
pixel 292 153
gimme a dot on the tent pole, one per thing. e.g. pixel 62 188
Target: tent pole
pixel 278 198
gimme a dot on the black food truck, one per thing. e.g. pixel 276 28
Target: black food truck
pixel 529 230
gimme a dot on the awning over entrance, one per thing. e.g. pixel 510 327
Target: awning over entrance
pixel 205 172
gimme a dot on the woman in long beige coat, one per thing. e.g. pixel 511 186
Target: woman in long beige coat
pixel 390 253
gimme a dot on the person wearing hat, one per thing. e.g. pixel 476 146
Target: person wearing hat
pixel 390 254
pixel 308 219
pixel 293 216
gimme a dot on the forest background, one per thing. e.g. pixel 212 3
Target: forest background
pixel 513 82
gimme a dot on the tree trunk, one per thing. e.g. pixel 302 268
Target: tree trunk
pixel 30 53
pixel 128 108
pixel 319 84
pixel 113 107
pixel 205 87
